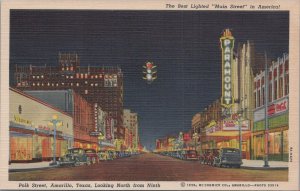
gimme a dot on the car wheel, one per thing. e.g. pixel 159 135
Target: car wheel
pixel 76 163
pixel 88 162
pixel 93 160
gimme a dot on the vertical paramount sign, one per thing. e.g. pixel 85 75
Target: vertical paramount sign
pixel 227 43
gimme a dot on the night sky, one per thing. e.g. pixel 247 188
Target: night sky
pixel 183 44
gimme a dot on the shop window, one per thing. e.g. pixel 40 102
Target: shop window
pixel 277 142
pixel 285 142
pixel 271 143
pixel 258 147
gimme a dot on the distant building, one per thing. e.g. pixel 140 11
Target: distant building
pixel 97 84
pixel 131 123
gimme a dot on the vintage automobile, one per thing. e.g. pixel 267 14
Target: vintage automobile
pixel 229 157
pixel 104 155
pixel 190 155
pixel 74 157
pixel 92 155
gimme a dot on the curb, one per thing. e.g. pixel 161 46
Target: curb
pixel 264 168
pixel 31 169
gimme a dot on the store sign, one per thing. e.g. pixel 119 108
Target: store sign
pixel 22 121
pixel 278 107
pixel 108 126
pixel 209 129
pixel 227 44
pixel 233 125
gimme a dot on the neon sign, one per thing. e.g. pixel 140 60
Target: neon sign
pixel 227 44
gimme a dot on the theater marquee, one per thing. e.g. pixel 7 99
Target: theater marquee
pixel 227 44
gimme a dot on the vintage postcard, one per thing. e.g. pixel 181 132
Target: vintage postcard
pixel 140 95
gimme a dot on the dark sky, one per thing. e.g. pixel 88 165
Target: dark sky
pixel 183 44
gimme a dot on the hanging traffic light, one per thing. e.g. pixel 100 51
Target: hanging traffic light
pixel 150 72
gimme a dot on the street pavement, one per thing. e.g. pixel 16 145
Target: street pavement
pixel 149 167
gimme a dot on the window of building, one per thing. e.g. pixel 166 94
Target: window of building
pixel 280 87
pixel 48 84
pixel 33 84
pixel 42 76
pixel 275 90
pixel 286 84
pixel 81 76
pixel 85 75
pixel 67 77
pixel 38 77
pixel 259 98
pixel 33 77
pixel 86 91
pixel 270 92
pixel 77 84
pixel 86 82
pixel 263 96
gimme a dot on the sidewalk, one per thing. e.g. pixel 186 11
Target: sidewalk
pixel 17 167
pixel 259 164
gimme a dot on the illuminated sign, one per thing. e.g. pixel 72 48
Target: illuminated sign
pixel 227 44
pixel 20 120
pixel 278 107
pixel 233 125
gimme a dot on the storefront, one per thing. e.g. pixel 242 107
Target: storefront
pixel 31 133
pixel 278 120
pixel 225 133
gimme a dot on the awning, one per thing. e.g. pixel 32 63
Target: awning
pixel 226 133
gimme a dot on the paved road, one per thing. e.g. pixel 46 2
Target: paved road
pixel 150 167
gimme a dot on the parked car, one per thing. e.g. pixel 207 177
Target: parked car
pixel 190 155
pixel 92 155
pixel 230 157
pixel 74 157
pixel 104 155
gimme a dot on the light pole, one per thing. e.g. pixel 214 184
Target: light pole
pixel 266 159
pixel 55 122
pixel 240 134
pixel 195 136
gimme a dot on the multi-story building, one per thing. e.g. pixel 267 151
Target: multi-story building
pixel 219 123
pixel 32 133
pixel 75 105
pixel 131 123
pixel 277 111
pixel 97 84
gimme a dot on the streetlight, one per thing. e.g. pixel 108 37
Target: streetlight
pixel 240 133
pixel 266 159
pixel 55 122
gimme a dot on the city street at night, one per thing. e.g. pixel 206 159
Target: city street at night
pixel 149 167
